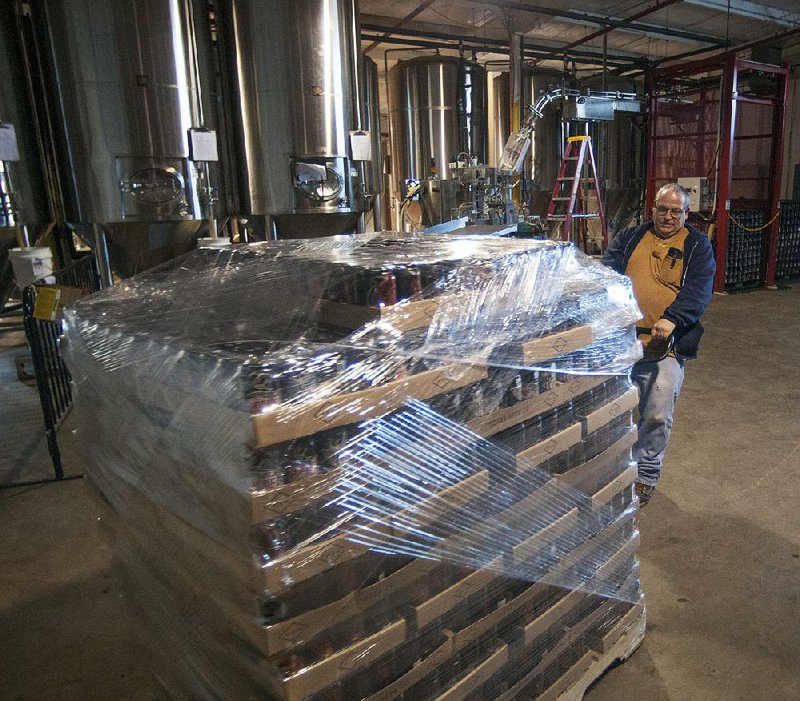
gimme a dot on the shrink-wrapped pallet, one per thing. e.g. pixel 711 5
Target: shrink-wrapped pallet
pixel 383 466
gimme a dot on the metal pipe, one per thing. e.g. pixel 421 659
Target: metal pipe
pixel 23 239
pixel 34 76
pixel 358 61
pixel 778 129
pixel 225 129
pixel 233 230
pixel 517 48
pixel 377 212
pixel 728 128
pixel 213 228
pixel 621 62
pixel 197 88
pixel 103 261
pixel 11 209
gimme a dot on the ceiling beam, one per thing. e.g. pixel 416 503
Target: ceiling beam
pixel 414 44
pixel 494 44
pixel 603 21
pixel 602 32
pixel 411 15
pixel 751 10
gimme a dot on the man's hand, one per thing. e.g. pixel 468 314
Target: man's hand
pixel 662 329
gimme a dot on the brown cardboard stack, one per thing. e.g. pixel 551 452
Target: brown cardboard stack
pixel 369 467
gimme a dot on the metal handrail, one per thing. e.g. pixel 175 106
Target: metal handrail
pixel 53 380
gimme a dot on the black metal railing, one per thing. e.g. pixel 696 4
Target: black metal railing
pixel 52 377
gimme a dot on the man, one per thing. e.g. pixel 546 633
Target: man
pixel 672 268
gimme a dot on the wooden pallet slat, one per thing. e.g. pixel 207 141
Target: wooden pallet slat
pixel 290 421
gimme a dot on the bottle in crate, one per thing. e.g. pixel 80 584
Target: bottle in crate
pixel 330 446
pixel 261 388
pixel 272 539
pixel 301 459
pixel 268 470
pixel 377 288
pixel 409 283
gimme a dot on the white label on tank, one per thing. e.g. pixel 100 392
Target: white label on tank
pixel 203 144
pixel 360 145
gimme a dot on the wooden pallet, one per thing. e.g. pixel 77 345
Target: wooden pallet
pixel 622 642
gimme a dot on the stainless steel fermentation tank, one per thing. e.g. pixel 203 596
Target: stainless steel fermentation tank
pixel 124 82
pixel 437 109
pixel 372 114
pixel 24 209
pixel 544 156
pixel 130 80
pixel 26 174
pixel 297 92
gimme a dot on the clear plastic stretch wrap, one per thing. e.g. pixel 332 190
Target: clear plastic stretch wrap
pixel 383 466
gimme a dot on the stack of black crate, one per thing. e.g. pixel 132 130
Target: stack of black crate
pixel 788 263
pixel 745 248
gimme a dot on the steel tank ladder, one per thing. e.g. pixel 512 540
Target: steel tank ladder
pixel 576 194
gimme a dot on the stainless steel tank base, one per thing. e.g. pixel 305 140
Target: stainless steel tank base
pixel 311 226
pixel 136 246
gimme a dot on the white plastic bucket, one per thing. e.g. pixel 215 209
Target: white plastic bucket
pixel 30 264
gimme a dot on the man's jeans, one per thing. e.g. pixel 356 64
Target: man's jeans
pixel 659 386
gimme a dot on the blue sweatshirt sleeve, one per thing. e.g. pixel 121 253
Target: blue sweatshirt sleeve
pixel 614 256
pixel 697 288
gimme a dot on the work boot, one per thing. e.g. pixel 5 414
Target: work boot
pixel 644 492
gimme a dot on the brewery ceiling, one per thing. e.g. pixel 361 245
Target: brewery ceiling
pixel 621 35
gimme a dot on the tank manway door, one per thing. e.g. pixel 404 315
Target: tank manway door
pixel 320 185
pixel 153 189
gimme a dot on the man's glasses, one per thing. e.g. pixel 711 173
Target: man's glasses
pixel 661 209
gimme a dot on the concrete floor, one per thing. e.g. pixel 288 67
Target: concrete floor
pixel 720 554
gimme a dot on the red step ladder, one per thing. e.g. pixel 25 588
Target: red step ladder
pixel 576 195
